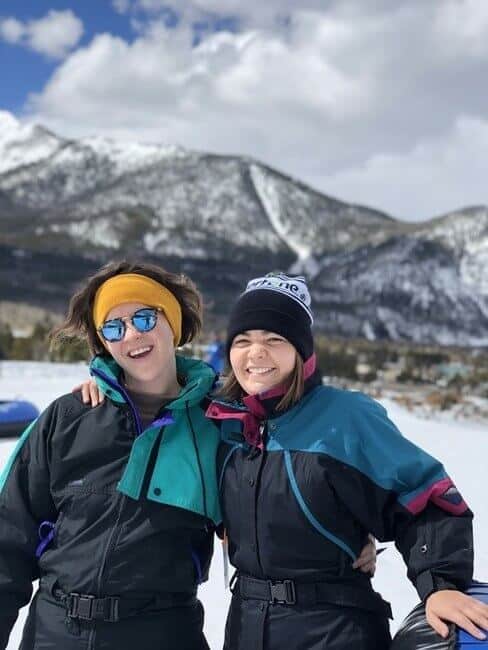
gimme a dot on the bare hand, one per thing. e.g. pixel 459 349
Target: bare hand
pixel 366 562
pixel 455 607
pixel 90 393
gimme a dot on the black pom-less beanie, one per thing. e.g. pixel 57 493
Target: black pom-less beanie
pixel 276 303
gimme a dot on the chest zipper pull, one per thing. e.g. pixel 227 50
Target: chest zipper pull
pixel 255 451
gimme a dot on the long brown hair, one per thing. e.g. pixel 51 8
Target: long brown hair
pixel 232 391
pixel 79 320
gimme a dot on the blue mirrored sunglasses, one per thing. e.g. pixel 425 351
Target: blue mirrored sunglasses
pixel 143 320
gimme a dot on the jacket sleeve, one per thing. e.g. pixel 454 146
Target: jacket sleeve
pixel 402 494
pixel 25 502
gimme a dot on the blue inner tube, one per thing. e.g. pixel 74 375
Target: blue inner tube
pixel 416 634
pixel 465 641
pixel 15 416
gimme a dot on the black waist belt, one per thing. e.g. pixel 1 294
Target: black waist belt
pixel 290 592
pixel 111 609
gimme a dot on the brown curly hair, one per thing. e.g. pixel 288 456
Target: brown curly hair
pixel 79 320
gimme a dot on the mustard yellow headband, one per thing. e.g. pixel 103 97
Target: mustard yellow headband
pixel 132 287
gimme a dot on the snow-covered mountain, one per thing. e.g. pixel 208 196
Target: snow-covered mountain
pixel 70 204
pixel 24 144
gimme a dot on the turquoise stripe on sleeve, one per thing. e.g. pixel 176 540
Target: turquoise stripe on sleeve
pixel 20 443
pixel 316 524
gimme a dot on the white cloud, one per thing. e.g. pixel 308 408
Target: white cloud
pixel 340 98
pixel 443 174
pixel 255 10
pixel 11 30
pixel 121 6
pixel 462 27
pixel 251 72
pixel 54 35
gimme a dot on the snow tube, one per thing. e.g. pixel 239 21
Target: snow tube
pixel 15 416
pixel 416 634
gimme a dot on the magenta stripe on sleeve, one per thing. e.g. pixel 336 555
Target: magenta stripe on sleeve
pixel 438 493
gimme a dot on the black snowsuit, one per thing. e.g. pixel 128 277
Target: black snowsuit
pixel 297 512
pixel 115 572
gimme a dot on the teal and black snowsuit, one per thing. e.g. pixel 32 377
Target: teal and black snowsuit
pixel 298 507
pixel 116 522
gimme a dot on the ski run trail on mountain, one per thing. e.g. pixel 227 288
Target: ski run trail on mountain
pixel 461 445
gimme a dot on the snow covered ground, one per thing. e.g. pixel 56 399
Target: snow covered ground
pixel 462 446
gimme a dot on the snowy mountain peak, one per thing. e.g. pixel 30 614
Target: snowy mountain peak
pixel 24 144
pixel 8 123
pixel 466 233
pixel 130 155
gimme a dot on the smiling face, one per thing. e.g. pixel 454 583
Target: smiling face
pixel 147 358
pixel 261 360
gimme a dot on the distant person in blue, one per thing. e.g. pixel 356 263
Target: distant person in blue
pixel 305 472
pixel 215 355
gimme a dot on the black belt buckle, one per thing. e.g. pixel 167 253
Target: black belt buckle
pixel 88 608
pixel 80 606
pixel 282 592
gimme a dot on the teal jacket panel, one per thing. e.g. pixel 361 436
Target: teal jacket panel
pixel 354 429
pixel 184 473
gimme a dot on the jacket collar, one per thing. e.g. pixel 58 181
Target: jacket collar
pixel 255 409
pixel 199 380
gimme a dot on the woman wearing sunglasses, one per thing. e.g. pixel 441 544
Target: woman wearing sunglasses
pixel 113 508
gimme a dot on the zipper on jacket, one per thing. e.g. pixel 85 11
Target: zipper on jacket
pixel 108 549
pixel 110 545
pixel 262 431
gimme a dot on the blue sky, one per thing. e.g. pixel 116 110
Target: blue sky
pixel 26 70
pixel 372 101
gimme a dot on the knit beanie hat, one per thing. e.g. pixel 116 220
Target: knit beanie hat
pixel 276 303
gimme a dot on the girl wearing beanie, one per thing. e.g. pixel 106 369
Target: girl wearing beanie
pixel 113 508
pixel 305 471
